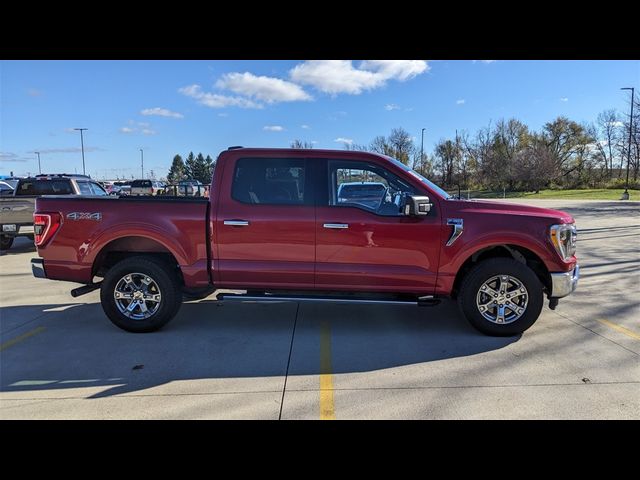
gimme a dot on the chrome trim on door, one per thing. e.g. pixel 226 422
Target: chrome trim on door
pixel 236 223
pixel 458 227
pixel 336 225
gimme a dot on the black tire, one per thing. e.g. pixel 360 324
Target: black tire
pixel 484 271
pixel 161 273
pixel 6 242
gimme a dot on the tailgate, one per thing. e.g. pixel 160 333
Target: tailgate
pixel 17 211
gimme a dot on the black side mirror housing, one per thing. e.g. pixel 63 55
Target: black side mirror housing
pixel 417 205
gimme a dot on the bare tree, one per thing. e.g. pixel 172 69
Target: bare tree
pixel 301 144
pixel 608 137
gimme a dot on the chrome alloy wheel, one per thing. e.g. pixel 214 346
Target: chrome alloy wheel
pixel 137 296
pixel 502 299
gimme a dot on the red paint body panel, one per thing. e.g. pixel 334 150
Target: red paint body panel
pixel 276 249
pixel 178 227
pixel 286 246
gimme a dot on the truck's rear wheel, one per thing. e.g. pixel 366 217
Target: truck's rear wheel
pixel 5 242
pixel 501 297
pixel 140 294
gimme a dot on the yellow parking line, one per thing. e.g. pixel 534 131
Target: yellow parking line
pixel 24 336
pixel 621 329
pixel 327 407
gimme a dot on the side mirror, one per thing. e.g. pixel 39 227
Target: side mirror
pixel 416 205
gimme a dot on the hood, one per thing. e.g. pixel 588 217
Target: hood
pixel 507 208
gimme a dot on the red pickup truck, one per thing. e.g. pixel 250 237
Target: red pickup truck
pixel 277 225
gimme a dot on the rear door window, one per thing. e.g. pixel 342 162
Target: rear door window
pixel 271 181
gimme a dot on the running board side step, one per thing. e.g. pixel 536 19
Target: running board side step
pixel 426 301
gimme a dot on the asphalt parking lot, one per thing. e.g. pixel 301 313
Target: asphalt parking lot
pixel 61 358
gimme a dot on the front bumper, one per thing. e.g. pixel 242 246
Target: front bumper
pixel 37 268
pixel 564 283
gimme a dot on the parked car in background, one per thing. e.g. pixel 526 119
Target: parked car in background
pixel 16 211
pixel 121 188
pixel 367 194
pixel 146 187
pixel 190 188
pixel 141 187
pixel 5 189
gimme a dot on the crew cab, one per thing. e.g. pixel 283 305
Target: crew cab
pixel 276 227
pixel 16 210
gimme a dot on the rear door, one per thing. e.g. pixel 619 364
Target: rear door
pixel 264 234
pixel 364 242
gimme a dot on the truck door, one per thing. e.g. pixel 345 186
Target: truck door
pixel 364 242
pixel 264 231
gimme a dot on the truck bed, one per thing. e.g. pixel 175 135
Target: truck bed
pixel 93 226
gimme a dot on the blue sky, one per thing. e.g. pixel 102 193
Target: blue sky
pixel 169 107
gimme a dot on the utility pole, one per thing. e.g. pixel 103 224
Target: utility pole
pixel 82 146
pixel 142 161
pixel 39 168
pixel 422 149
pixel 625 195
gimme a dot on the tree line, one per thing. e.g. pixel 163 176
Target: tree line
pixel 195 167
pixel 508 154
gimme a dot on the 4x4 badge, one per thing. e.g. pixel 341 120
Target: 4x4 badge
pixel 97 216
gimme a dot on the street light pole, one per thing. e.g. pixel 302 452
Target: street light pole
pixel 142 161
pixel 39 168
pixel 422 149
pixel 625 195
pixel 82 146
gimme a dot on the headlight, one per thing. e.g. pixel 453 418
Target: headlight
pixel 563 238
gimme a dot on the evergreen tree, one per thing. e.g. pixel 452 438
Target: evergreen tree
pixel 177 170
pixel 190 168
pixel 211 165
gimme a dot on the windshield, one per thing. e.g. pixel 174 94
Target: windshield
pixel 424 180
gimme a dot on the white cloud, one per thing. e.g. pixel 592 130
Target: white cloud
pixel 11 157
pixel 617 124
pixel 391 106
pixel 266 89
pixel 223 114
pixel 460 101
pixel 214 100
pixel 161 112
pixel 148 131
pixel 564 99
pixel 144 124
pixel 340 76
pixel 273 128
pixel 68 150
pixel 306 127
pixel 346 141
pixel 70 130
pixel 127 130
pixel 396 69
pixel 487 61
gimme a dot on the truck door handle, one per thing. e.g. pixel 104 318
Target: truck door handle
pixel 338 226
pixel 237 223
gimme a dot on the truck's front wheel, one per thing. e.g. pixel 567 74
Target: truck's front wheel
pixel 140 294
pixel 501 297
